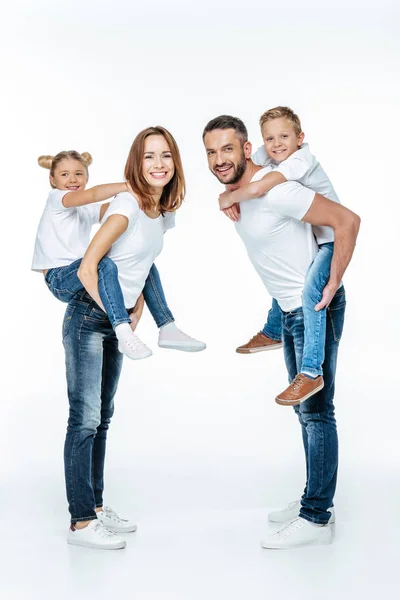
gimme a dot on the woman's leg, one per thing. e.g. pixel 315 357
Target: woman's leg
pixel 315 322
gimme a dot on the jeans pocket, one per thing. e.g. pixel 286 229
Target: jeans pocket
pixel 67 320
pixel 97 315
pixel 336 316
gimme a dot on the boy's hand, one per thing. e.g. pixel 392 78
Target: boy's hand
pixel 226 200
pixel 327 294
pixel 233 213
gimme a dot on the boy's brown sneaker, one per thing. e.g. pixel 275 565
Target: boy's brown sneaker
pixel 299 390
pixel 259 343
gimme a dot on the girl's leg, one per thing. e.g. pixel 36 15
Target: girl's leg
pixel 315 322
pixel 63 282
pixel 155 299
pixel 169 336
pixel 273 326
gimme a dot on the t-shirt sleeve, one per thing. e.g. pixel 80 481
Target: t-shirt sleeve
pixel 123 204
pixel 92 211
pixel 261 158
pixel 291 199
pixel 168 221
pixel 55 200
pixel 297 165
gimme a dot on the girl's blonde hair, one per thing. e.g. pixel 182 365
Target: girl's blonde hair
pixel 50 162
pixel 174 192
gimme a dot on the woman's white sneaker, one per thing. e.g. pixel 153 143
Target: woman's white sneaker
pixel 173 338
pixel 129 343
pixel 296 533
pixel 95 535
pixel 112 521
pixel 291 512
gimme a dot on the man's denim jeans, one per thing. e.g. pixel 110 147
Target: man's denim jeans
pixel 317 414
pixel 93 366
pixel 314 322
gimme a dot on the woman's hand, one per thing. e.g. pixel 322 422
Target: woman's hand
pixel 137 312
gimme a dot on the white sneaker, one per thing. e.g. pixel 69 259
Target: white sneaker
pixel 298 532
pixel 112 521
pixel 291 512
pixel 175 339
pixel 95 535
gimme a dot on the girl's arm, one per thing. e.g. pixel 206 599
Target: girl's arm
pixel 108 233
pixel 94 194
pixel 251 190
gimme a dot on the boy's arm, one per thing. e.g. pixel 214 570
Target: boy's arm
pixel 346 225
pixel 252 190
pixel 94 194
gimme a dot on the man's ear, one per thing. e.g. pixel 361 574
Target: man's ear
pixel 300 139
pixel 247 148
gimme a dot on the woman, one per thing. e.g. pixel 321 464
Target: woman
pixel 132 236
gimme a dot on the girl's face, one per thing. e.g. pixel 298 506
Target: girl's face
pixel 69 175
pixel 158 165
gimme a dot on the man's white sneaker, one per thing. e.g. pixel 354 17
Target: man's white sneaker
pixel 296 533
pixel 173 338
pixel 291 512
pixel 112 521
pixel 95 535
pixel 129 343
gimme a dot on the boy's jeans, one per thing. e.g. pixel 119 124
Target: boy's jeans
pixel 317 414
pixel 93 365
pixel 64 283
pixel 314 322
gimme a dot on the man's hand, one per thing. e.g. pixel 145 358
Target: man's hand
pixel 137 312
pixel 226 200
pixel 327 295
pixel 233 213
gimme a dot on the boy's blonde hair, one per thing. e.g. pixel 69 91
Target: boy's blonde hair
pixel 282 111
pixel 50 162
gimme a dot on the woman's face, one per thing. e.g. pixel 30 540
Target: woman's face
pixel 158 164
pixel 69 175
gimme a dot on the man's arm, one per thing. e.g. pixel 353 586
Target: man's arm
pixel 345 225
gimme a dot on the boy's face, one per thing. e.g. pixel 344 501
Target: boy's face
pixel 280 139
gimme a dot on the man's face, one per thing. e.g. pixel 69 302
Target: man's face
pixel 226 155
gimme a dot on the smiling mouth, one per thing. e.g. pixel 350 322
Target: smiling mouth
pixel 73 188
pixel 159 175
pixel 223 170
pixel 279 151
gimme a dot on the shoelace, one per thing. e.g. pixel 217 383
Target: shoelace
pixel 290 527
pixel 297 382
pixel 111 514
pixel 134 343
pixel 103 531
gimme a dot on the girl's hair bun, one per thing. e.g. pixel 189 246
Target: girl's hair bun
pixel 87 158
pixel 45 161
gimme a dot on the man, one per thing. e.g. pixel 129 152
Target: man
pixel 276 230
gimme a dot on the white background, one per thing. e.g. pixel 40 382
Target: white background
pixel 198 450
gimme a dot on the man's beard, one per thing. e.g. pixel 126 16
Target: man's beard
pixel 239 171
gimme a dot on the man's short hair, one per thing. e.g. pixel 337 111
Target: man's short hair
pixel 228 122
pixel 281 111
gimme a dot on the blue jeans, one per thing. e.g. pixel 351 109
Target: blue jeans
pixel 317 414
pixel 155 299
pixel 93 366
pixel 64 283
pixel 314 322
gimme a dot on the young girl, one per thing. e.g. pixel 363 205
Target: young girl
pixel 131 234
pixel 62 238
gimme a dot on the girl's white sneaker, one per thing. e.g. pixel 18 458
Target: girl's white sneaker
pixel 129 343
pixel 95 535
pixel 112 521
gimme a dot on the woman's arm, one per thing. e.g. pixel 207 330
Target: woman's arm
pixel 108 233
pixel 251 190
pixel 94 194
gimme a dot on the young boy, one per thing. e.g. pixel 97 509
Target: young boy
pixel 291 160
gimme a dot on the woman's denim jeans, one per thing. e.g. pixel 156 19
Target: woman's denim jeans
pixel 93 366
pixel 317 414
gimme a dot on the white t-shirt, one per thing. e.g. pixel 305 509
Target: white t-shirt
pixel 135 251
pixel 63 233
pixel 280 246
pixel 302 166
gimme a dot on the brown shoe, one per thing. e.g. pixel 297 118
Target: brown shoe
pixel 259 343
pixel 299 390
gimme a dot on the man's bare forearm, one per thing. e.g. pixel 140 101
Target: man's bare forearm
pixel 345 241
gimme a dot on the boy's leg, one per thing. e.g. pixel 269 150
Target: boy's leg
pixel 315 322
pixel 270 338
pixel 169 336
